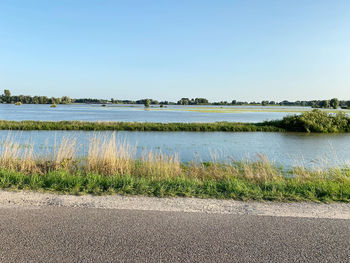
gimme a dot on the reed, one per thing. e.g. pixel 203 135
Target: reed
pixel 111 166
pixel 107 156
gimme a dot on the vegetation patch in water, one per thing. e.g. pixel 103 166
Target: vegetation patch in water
pixel 136 126
pixel 315 121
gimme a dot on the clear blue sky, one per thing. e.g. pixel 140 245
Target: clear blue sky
pixel 168 49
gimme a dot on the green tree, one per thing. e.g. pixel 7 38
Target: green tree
pixel 325 104
pixel 147 103
pixel 7 93
pixel 36 100
pixel 184 101
pixel 199 101
pixel 334 103
pixel 66 100
pixel 7 96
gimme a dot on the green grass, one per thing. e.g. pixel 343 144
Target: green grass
pixel 137 126
pixel 238 188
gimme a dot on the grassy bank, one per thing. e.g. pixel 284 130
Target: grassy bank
pixel 111 167
pixel 137 126
pixel 312 121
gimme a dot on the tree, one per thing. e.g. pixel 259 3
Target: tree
pixel 325 104
pixel 198 101
pixel 184 101
pixel 36 100
pixel 147 103
pixel 66 100
pixel 334 103
pixel 7 96
pixel 52 100
pixel 7 93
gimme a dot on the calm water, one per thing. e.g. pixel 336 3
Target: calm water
pixel 132 113
pixel 283 148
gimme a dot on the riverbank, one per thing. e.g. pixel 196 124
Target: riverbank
pixel 315 121
pixel 111 166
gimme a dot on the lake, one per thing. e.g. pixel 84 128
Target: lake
pixel 137 113
pixel 287 149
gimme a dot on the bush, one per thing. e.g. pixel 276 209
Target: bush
pixel 316 121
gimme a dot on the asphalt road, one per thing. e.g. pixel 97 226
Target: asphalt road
pixel 56 234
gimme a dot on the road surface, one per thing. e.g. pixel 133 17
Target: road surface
pixel 68 234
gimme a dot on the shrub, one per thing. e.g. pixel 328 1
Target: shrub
pixel 316 121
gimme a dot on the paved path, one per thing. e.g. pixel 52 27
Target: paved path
pixel 67 234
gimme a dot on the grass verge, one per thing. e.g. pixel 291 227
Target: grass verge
pixel 236 187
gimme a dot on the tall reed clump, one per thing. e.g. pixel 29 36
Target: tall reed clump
pixel 158 164
pixel 16 157
pixel 109 156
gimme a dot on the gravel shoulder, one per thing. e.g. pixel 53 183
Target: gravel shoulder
pixel 27 199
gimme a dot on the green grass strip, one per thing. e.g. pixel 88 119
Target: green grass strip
pixel 280 189
pixel 136 126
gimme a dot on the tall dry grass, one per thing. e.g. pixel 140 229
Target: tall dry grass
pixel 108 156
pixel 158 164
pixel 13 156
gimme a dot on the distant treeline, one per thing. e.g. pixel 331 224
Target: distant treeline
pixel 8 98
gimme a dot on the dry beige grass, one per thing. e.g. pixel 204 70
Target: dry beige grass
pixel 108 155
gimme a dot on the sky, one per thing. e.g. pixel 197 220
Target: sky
pixel 168 49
